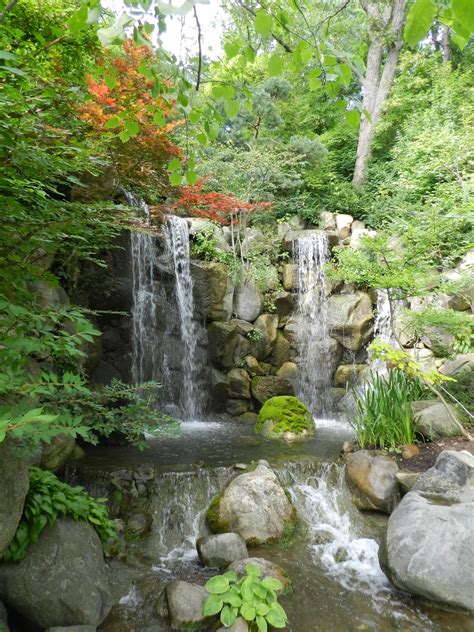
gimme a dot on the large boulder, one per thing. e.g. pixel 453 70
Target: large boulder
pixel 223 341
pixel 255 506
pixel 348 373
pixel 432 419
pixel 281 351
pixel 350 319
pixel 247 302
pixel 13 489
pixel 427 546
pixel 185 605
pixel 462 363
pixel 49 295
pixel 343 225
pixel 222 549
pixel 285 418
pixel 372 477
pixel 213 288
pixel 266 386
pixel 57 452
pixel 63 579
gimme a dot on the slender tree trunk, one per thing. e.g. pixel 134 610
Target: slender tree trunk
pixel 380 72
pixel 446 44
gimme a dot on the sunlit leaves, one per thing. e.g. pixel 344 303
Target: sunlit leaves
pixel 231 107
pixel 263 23
pixel 275 65
pixel 463 11
pixel 231 49
pixel 419 19
pixel 353 117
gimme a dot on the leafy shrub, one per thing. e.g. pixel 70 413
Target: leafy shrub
pixel 255 335
pixel 47 499
pixel 252 598
pixel 206 248
pixel 383 416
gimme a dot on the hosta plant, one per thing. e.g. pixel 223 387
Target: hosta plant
pixel 252 597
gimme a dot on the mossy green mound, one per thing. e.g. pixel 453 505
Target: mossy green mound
pixel 284 416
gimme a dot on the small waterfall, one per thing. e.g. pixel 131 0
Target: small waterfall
pixel 383 329
pixel 314 344
pixel 144 309
pixel 177 245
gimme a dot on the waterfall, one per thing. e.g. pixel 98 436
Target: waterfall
pixel 311 253
pixel 144 309
pixel 383 328
pixel 176 235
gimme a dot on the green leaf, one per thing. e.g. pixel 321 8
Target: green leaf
pixel 271 583
pixel 202 139
pixel 231 49
pixel 345 73
pixel 232 108
pixel 159 118
pixel 275 65
pixel 262 609
pixel 212 605
pixel 132 127
pixel 231 576
pixel 248 612
pixel 175 179
pixel 249 55
pixel 174 165
pixel 353 117
pixel 263 23
pixel 463 11
pixel 15 71
pixel 228 616
pixel 253 570
pixel 213 132
pixel 419 19
pixel 217 585
pixel 261 624
pixel 4 54
pixel 191 177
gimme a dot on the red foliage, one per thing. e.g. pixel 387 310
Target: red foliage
pixel 219 207
pixel 148 149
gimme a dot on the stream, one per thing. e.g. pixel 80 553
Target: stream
pixel 333 563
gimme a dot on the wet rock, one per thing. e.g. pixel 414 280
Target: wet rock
pixel 219 390
pixel 254 505
pixel 265 387
pixel 222 338
pixel 322 537
pixel 57 453
pixel 222 549
pixel 347 447
pixel 283 302
pixel 248 418
pixel 350 319
pixel 252 365
pixel 237 407
pixel 239 625
pixel 288 370
pixel 13 489
pixel 433 421
pixel 62 581
pixel 267 325
pixel 289 276
pixel 239 383
pixel 269 569
pixel 104 373
pixel 247 302
pixel 426 547
pixel 214 290
pixel 185 604
pixel 348 373
pixel 281 351
pixel 372 478
pixel 341 555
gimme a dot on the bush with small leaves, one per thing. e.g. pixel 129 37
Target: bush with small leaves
pixel 252 598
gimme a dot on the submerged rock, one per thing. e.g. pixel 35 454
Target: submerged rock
pixel 427 546
pixel 62 581
pixel 185 604
pixel 285 418
pixel 222 549
pixel 255 506
pixel 13 489
pixel 372 478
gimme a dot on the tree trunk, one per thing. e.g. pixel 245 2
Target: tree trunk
pixel 379 74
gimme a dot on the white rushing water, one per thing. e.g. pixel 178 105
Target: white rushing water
pixel 383 329
pixel 176 235
pixel 314 344
pixel 144 308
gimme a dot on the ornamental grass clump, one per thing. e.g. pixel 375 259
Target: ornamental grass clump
pixel 383 415
pixel 252 598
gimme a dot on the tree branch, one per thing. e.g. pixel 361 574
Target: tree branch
pixel 198 79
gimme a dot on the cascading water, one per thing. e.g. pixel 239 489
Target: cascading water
pixel 176 234
pixel 383 328
pixel 144 310
pixel 314 344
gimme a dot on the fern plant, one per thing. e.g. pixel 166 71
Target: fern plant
pixel 252 598
pixel 47 499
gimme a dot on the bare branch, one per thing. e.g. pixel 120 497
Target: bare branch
pixel 198 79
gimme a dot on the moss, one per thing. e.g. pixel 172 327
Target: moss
pixel 212 516
pixel 287 414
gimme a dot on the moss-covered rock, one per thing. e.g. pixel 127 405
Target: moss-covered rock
pixel 285 417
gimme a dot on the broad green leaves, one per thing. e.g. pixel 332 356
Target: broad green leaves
pixel 463 11
pixel 263 23
pixel 419 19
pixel 275 65
pixel 252 598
